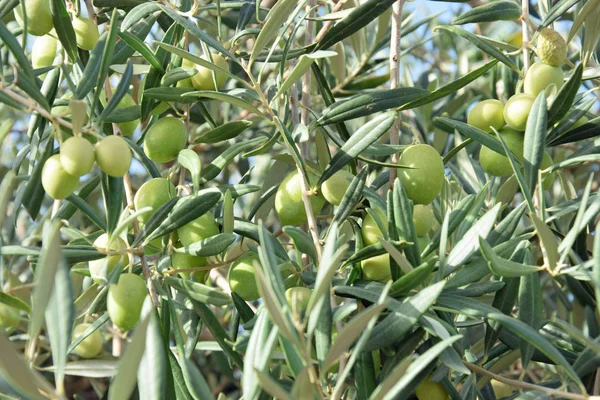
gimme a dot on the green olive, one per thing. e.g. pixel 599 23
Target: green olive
pixel 125 301
pixel 188 261
pixel 497 164
pixel 86 33
pixel 154 194
pixel 203 80
pixel 429 390
pixel 97 267
pixel 242 277
pixel 91 346
pixel 57 182
pixel 540 76
pixel 127 128
pixel 377 268
pixel 9 319
pixel 288 200
pixel 165 139
pixel 290 274
pixel 202 227
pixel 43 51
pixel 516 110
pixel 423 219
pixel 335 187
pixel 113 155
pixel 370 230
pixel 77 156
pixel 298 297
pixel 487 114
pixel 424 182
pixel 39 16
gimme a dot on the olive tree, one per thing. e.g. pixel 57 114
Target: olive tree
pixel 299 199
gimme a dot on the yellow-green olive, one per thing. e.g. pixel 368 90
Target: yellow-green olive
pixel 57 182
pixel 77 156
pixel 113 155
pixel 91 346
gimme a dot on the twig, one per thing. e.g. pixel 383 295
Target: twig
pixel 525 34
pixel 525 385
pixel 395 50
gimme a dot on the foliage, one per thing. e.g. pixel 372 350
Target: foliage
pixel 498 286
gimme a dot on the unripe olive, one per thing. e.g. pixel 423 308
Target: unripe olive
pixel 242 277
pixel 57 182
pixel 39 16
pixel 370 230
pixel 187 261
pixel 288 200
pixel 424 182
pixel 153 193
pixel 497 164
pixel 165 139
pixel 487 114
pixel 43 51
pixel 202 227
pixel 91 346
pixel 9 319
pixel 377 268
pixel 298 297
pixel 335 187
pixel 77 156
pixel 125 301
pixel 97 271
pixel 516 110
pixel 86 32
pixel 429 390
pixel 186 83
pixel 127 128
pixel 113 155
pixel 290 275
pixel 551 47
pixel 423 219
pixel 203 80
pixel 540 76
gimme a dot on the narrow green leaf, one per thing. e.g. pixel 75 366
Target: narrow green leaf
pixel 227 98
pixel 199 292
pixel 213 169
pixel 548 241
pixel 211 246
pixel 274 20
pixel 302 241
pixel 152 372
pixel 190 160
pixel 496 11
pixel 535 141
pixel 563 102
pixel 10 41
pixel 64 28
pixel 474 133
pixel 120 91
pixel 352 196
pixel 228 130
pixel 502 267
pixel 141 47
pixel 483 44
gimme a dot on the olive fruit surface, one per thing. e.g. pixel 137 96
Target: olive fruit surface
pixel 429 390
pixel 288 200
pixel 113 155
pixel 298 297
pixel 423 219
pixel 424 182
pixel 154 194
pixel 334 188
pixel 290 275
pixel 187 261
pixel 97 270
pixel 9 319
pixel 370 229
pixel 540 76
pixel 125 301
pixel 516 110
pixel 377 268
pixel 127 128
pixel 487 114
pixel 91 346
pixel 77 156
pixel 43 51
pixel 202 227
pixel 57 182
pixel 242 277
pixel 497 164
pixel 551 48
pixel 86 33
pixel 39 16
pixel 203 80
pixel 165 139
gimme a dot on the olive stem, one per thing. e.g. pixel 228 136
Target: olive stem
pixel 524 385
pixel 396 36
pixel 525 34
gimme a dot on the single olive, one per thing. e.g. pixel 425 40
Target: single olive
pixel 203 80
pixel 298 297
pixel 487 114
pixel 335 187
pixel 100 269
pixel 154 194
pixel 242 277
pixel 57 182
pixel 165 139
pixel 540 76
pixel 86 33
pixel 202 227
pixel 113 155
pixel 125 301
pixel 39 16
pixel 77 156
pixel 424 182
pixel 429 390
pixel 288 200
pixel 497 164
pixel 43 51
pixel 91 346
pixel 516 110
pixel 423 219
